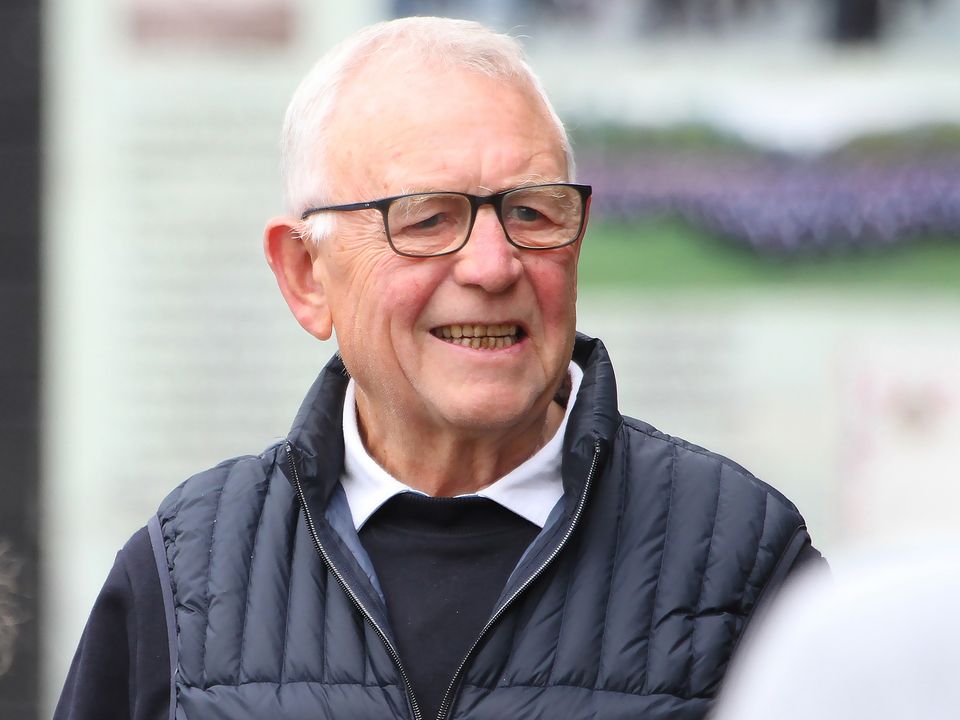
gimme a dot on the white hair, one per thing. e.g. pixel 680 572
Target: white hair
pixel 409 41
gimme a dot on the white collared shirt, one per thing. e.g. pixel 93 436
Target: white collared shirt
pixel 530 490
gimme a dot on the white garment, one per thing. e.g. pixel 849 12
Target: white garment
pixel 877 640
pixel 530 490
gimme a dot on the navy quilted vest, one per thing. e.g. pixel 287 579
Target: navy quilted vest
pixel 629 606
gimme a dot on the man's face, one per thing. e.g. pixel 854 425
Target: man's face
pixel 459 131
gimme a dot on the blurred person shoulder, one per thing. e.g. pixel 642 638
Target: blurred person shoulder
pixel 878 638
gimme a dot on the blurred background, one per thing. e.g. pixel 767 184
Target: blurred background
pixel 773 259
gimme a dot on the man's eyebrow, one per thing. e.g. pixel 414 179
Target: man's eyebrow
pixel 524 181
pixel 415 189
pixel 535 179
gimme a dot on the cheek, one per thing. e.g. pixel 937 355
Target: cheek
pixel 554 280
pixel 405 294
pixel 408 294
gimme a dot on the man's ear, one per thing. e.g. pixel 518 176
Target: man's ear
pixel 292 258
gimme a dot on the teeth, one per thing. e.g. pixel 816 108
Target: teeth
pixel 486 337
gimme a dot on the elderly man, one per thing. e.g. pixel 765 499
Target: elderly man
pixel 460 524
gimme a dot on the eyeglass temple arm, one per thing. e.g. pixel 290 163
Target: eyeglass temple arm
pixel 368 205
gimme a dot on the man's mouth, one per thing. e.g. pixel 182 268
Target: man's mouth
pixel 480 337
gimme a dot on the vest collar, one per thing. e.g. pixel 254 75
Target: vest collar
pixel 317 437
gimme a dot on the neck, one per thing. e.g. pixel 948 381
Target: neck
pixel 449 462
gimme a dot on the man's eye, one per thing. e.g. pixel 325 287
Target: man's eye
pixel 525 214
pixel 431 222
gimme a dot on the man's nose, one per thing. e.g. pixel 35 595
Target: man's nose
pixel 488 260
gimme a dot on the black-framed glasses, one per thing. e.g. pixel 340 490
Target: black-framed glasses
pixel 428 224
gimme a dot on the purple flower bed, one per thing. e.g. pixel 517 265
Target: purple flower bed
pixel 785 206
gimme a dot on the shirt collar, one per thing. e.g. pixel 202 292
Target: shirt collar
pixel 530 490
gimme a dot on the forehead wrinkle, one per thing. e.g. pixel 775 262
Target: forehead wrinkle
pixel 517 182
pixel 446 171
pixel 399 150
pixel 543 158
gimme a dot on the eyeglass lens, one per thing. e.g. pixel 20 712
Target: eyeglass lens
pixel 538 217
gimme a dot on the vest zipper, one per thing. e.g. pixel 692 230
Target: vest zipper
pixel 414 706
pixel 450 695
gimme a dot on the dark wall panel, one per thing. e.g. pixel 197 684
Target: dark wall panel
pixel 19 358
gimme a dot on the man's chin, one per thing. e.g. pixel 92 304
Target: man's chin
pixel 485 412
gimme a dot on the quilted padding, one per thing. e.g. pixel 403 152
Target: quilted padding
pixel 642 591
